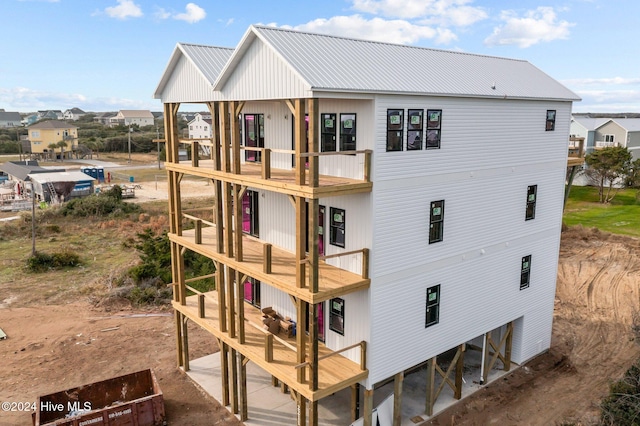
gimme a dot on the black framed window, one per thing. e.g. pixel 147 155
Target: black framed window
pixel 254 136
pixel 531 202
pixel 432 316
pixel 436 221
pixel 328 130
pixel 347 132
pixel 395 129
pixel 525 272
pixel 415 127
pixel 336 315
pixel 434 128
pixel 336 227
pixel 551 120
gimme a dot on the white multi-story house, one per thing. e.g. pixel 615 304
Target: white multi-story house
pixel 200 128
pixel 126 117
pixel 398 203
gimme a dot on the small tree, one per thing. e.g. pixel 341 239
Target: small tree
pixel 607 168
pixel 62 145
pixel 52 150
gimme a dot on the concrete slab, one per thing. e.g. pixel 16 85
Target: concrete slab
pixel 268 406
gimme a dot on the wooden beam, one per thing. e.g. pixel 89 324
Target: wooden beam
pixel 313 345
pixel 301 343
pixel 457 394
pixel 224 373
pixel 397 398
pixel 507 346
pixel 178 320
pixel 225 136
pixel 240 307
pixel 185 344
pixel 231 314
pixel 237 232
pixel 218 211
pixel 221 288
pixel 313 413
pixel 214 109
pixel 289 104
pixel 244 403
pixel 431 378
pixel 300 139
pixel 313 227
pixel 485 349
pixel 301 242
pixel 233 361
pixel 314 146
pixel 302 410
pixel 235 136
pixel 355 402
pixel 368 407
pixel 195 154
pixel 266 258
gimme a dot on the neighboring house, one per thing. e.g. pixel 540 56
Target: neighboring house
pixel 50 114
pixel 585 127
pixel 104 117
pixel 606 132
pixel 29 119
pixel 130 117
pixel 73 114
pixel 61 186
pixel 386 209
pixel 200 128
pixel 20 172
pixel 45 133
pixel 10 119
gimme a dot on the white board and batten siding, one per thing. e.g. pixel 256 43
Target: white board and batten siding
pixel 187 84
pixel 491 150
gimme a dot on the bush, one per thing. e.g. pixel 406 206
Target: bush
pixel 622 406
pixel 108 203
pixel 42 262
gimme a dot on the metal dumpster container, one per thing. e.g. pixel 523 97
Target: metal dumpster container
pixel 134 399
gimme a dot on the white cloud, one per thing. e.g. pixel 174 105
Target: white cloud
pixel 608 101
pixel 392 31
pixel 601 81
pixel 42 1
pixel 193 14
pixel 539 25
pixel 442 12
pixel 161 13
pixel 125 9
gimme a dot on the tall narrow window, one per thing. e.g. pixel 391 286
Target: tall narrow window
pixel 250 218
pixel 395 129
pixel 433 306
pixel 436 221
pixel 347 132
pixel 252 291
pixel 336 232
pixel 320 310
pixel 434 128
pixel 414 129
pixel 336 315
pixel 551 120
pixel 531 202
pixel 328 132
pixel 525 272
pixel 254 136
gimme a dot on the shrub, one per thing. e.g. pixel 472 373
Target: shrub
pixel 622 406
pixel 108 203
pixel 42 262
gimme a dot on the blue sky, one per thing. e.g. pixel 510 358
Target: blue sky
pixel 106 55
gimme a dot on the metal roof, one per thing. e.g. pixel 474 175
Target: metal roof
pixel 72 176
pixel 629 124
pixel 10 116
pixel 52 124
pixel 23 169
pixel 591 123
pixel 330 63
pixel 208 60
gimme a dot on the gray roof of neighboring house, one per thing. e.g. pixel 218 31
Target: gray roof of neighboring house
pixel 22 169
pixel 10 116
pixel 76 111
pixel 52 124
pixel 590 123
pixel 208 60
pixel 61 176
pixel 376 67
pixel 629 124
pixel 136 113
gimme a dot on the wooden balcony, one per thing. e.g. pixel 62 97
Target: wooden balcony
pixel 262 176
pixel 576 151
pixel 277 267
pixel 276 354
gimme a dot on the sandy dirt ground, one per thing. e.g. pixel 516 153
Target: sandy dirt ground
pixel 56 347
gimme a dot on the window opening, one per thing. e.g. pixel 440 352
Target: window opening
pixel 436 221
pixel 432 316
pixel 414 129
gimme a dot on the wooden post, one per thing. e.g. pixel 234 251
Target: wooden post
pixel 365 263
pixel 313 413
pixel 314 130
pixel 185 344
pixel 368 407
pixel 240 307
pixel 363 355
pixel 302 409
pixel 313 345
pixel 222 296
pixel 201 305
pixel 314 211
pixel 225 136
pixel 244 403
pixel 235 137
pixel 198 231
pixel 300 137
pixel 214 109
pixel 224 372
pixel 266 258
pixel 231 314
pixel 397 398
pixel 301 338
pixel 301 242
pixel 234 380
pixel 459 372
pixel 237 232
pixel 266 163
pixel 268 348
pixel 431 384
pixel 507 346
pixel 178 318
pixel 487 360
pixel 218 212
pixel 367 165
pixel 195 154
pixel 228 218
pixel 355 402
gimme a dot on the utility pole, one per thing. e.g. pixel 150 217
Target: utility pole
pixel 129 143
pixel 158 139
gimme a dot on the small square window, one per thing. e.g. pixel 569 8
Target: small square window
pixel 531 202
pixel 336 227
pixel 525 272
pixel 551 120
pixel 336 315
pixel 436 222
pixel 432 316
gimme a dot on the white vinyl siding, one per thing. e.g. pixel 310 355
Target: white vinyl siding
pixel 187 84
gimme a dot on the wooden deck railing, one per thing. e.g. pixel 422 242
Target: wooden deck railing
pixel 363 355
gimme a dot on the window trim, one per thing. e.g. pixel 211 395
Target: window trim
pixel 397 128
pixel 525 272
pixel 353 136
pixel 550 125
pixel 324 133
pixel 418 130
pixel 337 314
pixel 530 211
pixel 436 221
pixel 434 127
pixel 432 304
pixel 335 226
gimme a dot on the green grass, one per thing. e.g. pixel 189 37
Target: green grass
pixel 621 216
